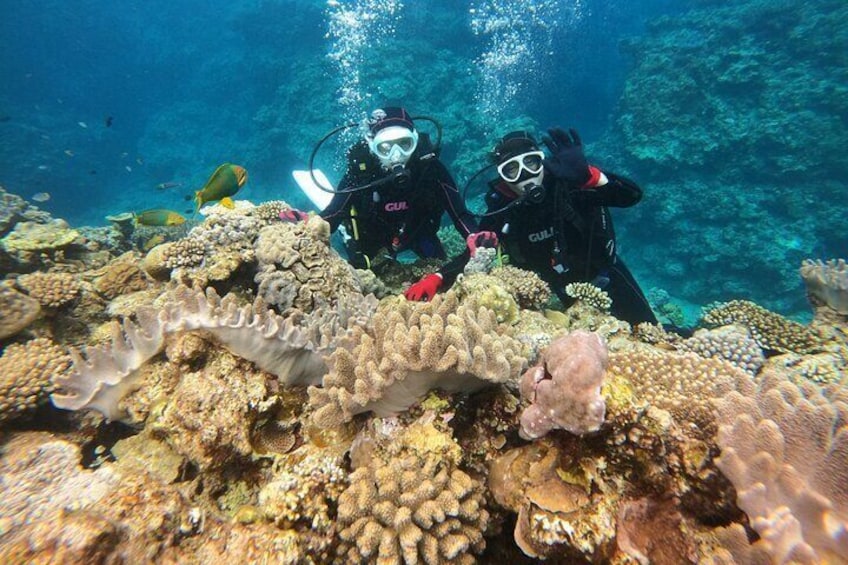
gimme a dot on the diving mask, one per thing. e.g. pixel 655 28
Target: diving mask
pixel 511 169
pixel 393 145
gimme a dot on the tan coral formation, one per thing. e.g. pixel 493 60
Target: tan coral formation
pixel 32 237
pixel 410 503
pixel 415 347
pixel 827 283
pixel 26 373
pixel 123 276
pixel 731 343
pixel 298 268
pixel 528 288
pixel 590 294
pixel 51 290
pixel 17 311
pixel 771 331
pixel 785 449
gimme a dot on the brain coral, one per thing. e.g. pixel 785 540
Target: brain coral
pixel 26 373
pixel 298 268
pixel 785 449
pixel 410 503
pixel 51 290
pixel 415 347
pixel 123 276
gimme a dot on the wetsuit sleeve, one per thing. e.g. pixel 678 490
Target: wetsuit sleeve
pixel 619 192
pixel 463 219
pixel 338 208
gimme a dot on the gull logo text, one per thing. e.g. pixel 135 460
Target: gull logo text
pixel 396 206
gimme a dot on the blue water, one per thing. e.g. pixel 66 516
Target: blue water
pixel 189 85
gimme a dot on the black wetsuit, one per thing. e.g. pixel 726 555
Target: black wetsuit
pixel 401 214
pixel 568 237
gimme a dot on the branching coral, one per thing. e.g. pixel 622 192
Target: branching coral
pixel 292 348
pixel 415 347
pixel 564 389
pixel 771 331
pixel 51 290
pixel 785 449
pixel 827 283
pixel 590 294
pixel 410 503
pixel 25 375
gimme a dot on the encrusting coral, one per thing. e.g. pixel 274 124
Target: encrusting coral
pixel 17 311
pixel 292 348
pixel 785 449
pixel 564 389
pixel 827 283
pixel 771 331
pixel 26 373
pixel 412 348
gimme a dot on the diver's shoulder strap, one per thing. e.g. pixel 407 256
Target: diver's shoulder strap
pixel 426 150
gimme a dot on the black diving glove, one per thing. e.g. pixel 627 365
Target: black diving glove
pixel 567 161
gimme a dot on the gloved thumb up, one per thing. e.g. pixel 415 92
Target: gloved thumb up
pixel 425 289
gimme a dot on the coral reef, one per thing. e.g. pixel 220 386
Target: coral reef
pixel 771 331
pixel 529 290
pixel 590 294
pixel 17 311
pixel 26 374
pixel 411 349
pixel 564 389
pixel 827 283
pixel 731 343
pixel 51 290
pixel 32 237
pixel 785 448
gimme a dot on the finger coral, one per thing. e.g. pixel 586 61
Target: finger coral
pixel 51 290
pixel 411 504
pixel 827 283
pixel 26 372
pixel 785 449
pixel 564 389
pixel 415 347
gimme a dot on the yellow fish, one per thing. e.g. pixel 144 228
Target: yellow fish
pixel 153 242
pixel 224 183
pixel 159 217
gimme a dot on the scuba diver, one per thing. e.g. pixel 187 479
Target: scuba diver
pixel 551 217
pixel 393 194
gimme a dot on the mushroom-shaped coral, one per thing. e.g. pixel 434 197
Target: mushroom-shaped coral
pixel 564 389
pixel 17 311
pixel 51 290
pixel 26 373
pixel 415 347
pixel 827 283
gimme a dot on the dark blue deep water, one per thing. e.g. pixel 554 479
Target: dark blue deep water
pixel 732 119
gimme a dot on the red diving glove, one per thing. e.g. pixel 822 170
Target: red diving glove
pixel 293 215
pixel 425 289
pixel 481 239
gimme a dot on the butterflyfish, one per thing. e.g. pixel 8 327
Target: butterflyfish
pixel 224 183
pixel 159 217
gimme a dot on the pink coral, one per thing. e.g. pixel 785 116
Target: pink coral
pixel 565 387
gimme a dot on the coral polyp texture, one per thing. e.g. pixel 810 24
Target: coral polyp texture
pixel 528 288
pixel 17 311
pixel 785 449
pixel 413 348
pixel 590 294
pixel 51 290
pixel 770 330
pixel 827 283
pixel 564 389
pixel 26 375
pixel 410 503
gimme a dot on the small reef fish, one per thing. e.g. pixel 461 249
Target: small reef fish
pixel 167 185
pixel 43 167
pixel 159 217
pixel 153 242
pixel 41 196
pixel 83 125
pixel 128 168
pixel 224 183
pixel 69 153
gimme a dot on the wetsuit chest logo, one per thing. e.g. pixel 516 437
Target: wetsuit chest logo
pixel 541 235
pixel 396 206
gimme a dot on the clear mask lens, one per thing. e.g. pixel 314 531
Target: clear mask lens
pixel 511 169
pixel 394 137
